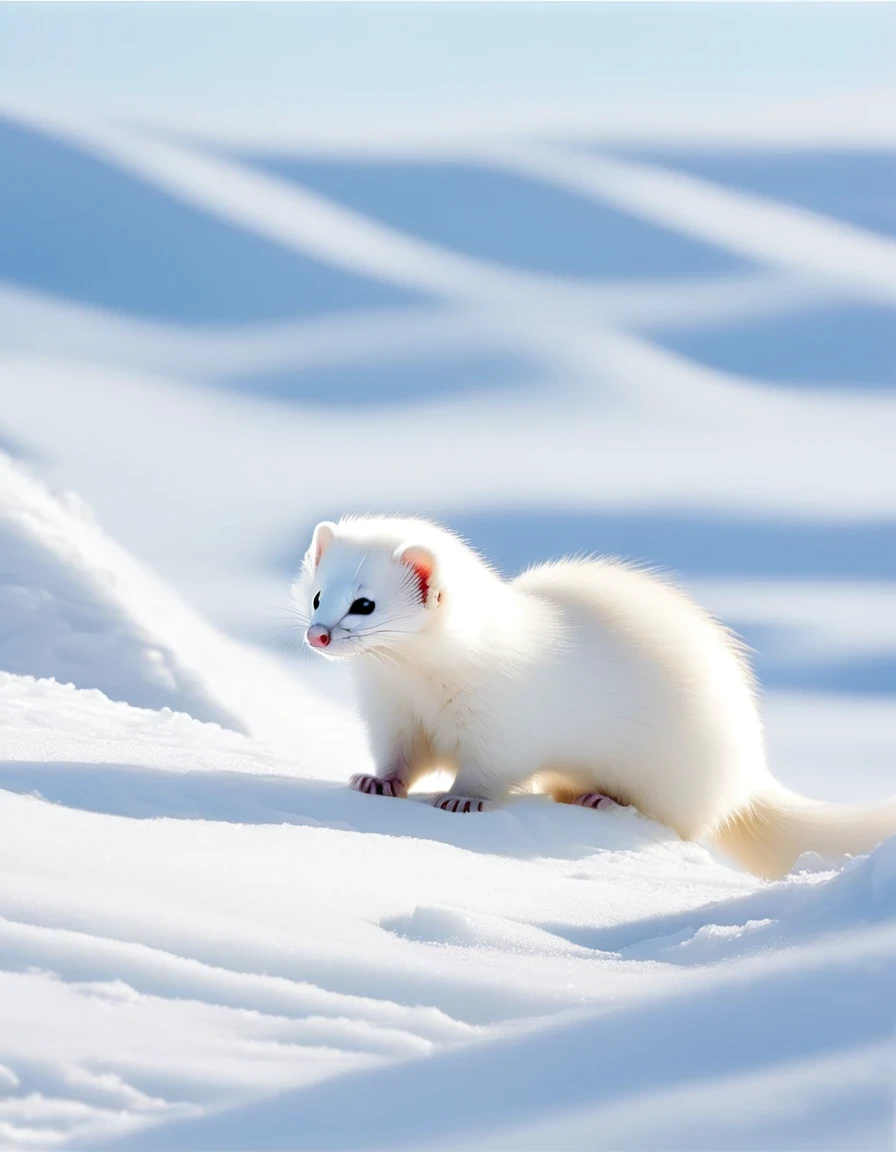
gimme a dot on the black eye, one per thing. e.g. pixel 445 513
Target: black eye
pixel 316 601
pixel 362 607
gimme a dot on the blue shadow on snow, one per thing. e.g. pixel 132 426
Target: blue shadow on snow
pixel 74 225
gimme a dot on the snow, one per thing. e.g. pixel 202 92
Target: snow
pixel 193 918
pixel 207 940
pixel 66 617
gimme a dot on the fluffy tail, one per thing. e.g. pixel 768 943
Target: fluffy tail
pixel 769 835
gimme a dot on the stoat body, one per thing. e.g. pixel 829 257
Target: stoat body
pixel 586 678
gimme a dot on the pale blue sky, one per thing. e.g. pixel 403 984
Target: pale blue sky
pixel 211 57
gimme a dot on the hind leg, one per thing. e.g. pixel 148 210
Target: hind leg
pixel 569 790
pixel 595 800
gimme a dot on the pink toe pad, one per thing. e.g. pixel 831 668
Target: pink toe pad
pixel 595 800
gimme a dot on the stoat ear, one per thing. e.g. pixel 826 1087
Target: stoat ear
pixel 423 564
pixel 321 540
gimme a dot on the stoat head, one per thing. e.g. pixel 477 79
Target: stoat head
pixel 361 591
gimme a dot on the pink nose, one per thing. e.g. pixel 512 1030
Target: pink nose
pixel 318 636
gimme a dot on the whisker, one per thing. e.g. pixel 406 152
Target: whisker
pixel 381 632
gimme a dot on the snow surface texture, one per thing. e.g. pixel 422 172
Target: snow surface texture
pixel 206 940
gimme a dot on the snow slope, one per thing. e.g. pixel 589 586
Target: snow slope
pixel 681 354
pixel 66 611
pixel 192 919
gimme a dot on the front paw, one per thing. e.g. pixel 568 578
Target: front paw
pixel 377 786
pixel 450 802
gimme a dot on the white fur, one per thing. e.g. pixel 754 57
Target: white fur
pixel 580 675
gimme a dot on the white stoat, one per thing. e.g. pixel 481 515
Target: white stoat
pixel 589 677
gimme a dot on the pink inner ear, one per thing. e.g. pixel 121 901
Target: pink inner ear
pixel 424 574
pixel 422 565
